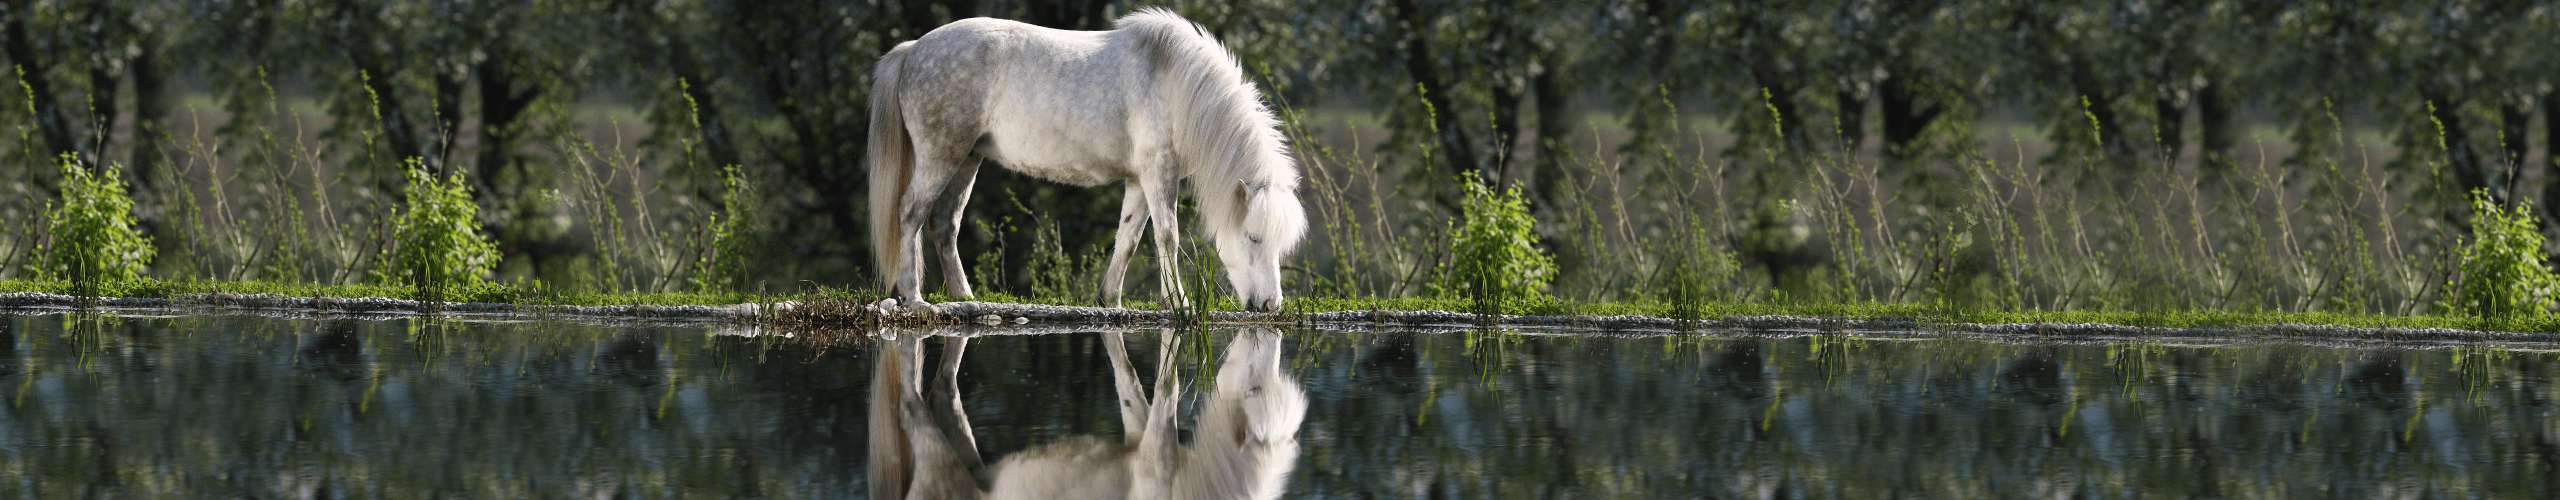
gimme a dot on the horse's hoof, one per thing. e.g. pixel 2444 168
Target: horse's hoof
pixel 913 306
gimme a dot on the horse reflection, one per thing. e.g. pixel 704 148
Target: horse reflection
pixel 1243 447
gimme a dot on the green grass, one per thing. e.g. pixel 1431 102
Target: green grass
pixel 1932 315
pixel 158 288
pixel 1926 315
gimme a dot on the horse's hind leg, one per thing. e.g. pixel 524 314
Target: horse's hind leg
pixel 1133 219
pixel 949 415
pixel 943 229
pixel 925 187
pixel 944 452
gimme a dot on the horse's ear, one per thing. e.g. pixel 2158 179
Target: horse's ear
pixel 1243 200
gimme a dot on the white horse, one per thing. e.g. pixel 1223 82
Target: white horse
pixel 1154 102
pixel 1244 446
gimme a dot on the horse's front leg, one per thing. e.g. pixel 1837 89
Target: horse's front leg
pixel 1153 467
pixel 1124 379
pixel 1133 219
pixel 1160 196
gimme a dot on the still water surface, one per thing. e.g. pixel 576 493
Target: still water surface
pixel 339 408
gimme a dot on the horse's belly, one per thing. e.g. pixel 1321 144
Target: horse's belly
pixel 1057 155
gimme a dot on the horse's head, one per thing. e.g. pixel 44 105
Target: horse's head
pixel 1271 404
pixel 1254 240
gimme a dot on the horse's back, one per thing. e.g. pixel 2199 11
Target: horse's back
pixel 1046 102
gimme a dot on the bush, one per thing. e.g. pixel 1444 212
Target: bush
pixel 1694 274
pixel 2503 277
pixel 721 265
pixel 1495 263
pixel 437 247
pixel 93 239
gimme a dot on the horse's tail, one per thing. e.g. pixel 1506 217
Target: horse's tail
pixel 891 467
pixel 892 161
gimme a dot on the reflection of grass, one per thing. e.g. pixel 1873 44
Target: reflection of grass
pixel 2133 361
pixel 1925 314
pixel 1914 313
pixel 2477 366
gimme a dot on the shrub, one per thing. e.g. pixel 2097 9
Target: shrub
pixel 1495 261
pixel 1694 274
pixel 721 266
pixel 93 239
pixel 437 247
pixel 2503 277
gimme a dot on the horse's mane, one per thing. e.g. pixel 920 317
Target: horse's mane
pixel 1229 455
pixel 1227 138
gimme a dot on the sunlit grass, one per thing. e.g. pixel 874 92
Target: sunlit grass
pixel 1918 314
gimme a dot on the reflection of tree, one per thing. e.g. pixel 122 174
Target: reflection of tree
pixel 262 408
pixel 1599 418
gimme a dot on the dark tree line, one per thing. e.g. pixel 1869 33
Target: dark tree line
pixel 1498 88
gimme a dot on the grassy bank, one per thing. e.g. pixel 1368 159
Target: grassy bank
pixel 1918 314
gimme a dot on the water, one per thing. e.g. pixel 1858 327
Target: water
pixel 259 407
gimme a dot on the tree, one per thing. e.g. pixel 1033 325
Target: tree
pixel 35 74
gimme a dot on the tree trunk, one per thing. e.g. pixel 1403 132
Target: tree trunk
pixel 150 111
pixel 1781 100
pixel 150 114
pixel 106 70
pixel 1905 119
pixel 1517 51
pixel 2551 154
pixel 1777 91
pixel 2458 155
pixel 397 135
pixel 503 102
pixel 1548 177
pixel 2171 118
pixel 2099 104
pixel 450 79
pixel 1455 154
pixel 359 26
pixel 1851 117
pixel 1506 133
pixel 31 70
pixel 100 134
pixel 2515 138
pixel 715 130
pixel 2218 136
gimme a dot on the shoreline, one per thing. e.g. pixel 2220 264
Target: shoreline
pixel 999 316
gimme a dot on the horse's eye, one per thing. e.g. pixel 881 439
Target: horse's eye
pixel 1252 238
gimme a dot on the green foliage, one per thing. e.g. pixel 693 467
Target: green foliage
pixel 1049 269
pixel 1495 261
pixel 2503 277
pixel 93 239
pixel 437 246
pixel 1694 277
pixel 722 264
